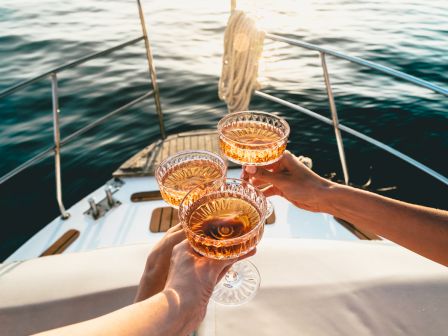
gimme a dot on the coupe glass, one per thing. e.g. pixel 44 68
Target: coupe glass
pixel 225 220
pixel 185 170
pixel 253 138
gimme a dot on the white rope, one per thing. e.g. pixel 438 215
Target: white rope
pixel 243 45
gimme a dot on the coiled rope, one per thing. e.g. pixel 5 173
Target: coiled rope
pixel 243 45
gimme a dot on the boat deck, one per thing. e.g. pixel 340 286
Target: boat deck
pixel 141 215
pixel 146 161
pixel 130 222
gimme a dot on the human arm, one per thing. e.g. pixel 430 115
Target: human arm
pixel 176 310
pixel 157 265
pixel 166 313
pixel 421 229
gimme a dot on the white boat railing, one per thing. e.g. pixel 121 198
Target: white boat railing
pixel 360 61
pixel 334 121
pixel 154 92
pixel 58 143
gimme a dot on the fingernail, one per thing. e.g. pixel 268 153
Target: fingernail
pixel 251 169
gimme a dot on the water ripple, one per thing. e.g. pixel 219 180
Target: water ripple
pixel 187 41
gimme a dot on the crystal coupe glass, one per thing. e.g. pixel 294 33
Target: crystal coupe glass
pixel 225 220
pixel 253 138
pixel 185 170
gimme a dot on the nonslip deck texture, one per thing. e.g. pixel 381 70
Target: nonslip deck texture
pixel 145 162
pixel 164 218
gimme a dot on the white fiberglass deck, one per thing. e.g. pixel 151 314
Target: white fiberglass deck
pixel 129 222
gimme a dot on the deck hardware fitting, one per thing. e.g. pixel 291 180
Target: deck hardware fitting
pixel 100 209
pixel 93 208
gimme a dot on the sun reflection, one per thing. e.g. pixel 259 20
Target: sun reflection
pixel 277 18
pixel 270 16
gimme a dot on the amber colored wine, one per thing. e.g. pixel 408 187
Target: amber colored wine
pixel 182 178
pixel 221 221
pixel 250 142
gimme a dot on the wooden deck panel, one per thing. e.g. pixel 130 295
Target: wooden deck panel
pixel 159 156
pixel 187 142
pixel 62 243
pixel 194 142
pixel 201 142
pixel 154 224
pixel 146 161
pixel 166 220
pixel 173 146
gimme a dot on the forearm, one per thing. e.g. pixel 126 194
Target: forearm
pixel 165 313
pixel 152 281
pixel 420 229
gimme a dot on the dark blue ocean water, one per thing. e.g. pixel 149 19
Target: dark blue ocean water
pixel 187 36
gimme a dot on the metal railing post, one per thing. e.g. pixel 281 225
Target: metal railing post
pixel 371 65
pixel 334 117
pixel 57 145
pixel 152 70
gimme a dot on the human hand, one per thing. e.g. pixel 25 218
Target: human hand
pixel 290 179
pixel 193 277
pixel 158 264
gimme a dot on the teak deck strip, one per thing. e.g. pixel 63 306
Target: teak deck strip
pixel 161 219
pixel 145 162
pixel 60 245
pixel 154 224
pixel 164 218
pixel 145 196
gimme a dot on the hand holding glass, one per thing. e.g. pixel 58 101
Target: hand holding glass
pixel 253 138
pixel 225 220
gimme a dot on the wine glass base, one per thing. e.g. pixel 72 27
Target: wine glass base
pixel 238 286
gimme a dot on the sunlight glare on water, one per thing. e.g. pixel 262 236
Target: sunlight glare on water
pixel 187 43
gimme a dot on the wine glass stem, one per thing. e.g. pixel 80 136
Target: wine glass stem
pixel 239 285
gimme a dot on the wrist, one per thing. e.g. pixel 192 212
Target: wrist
pixel 326 196
pixel 185 295
pixel 168 313
pixel 190 312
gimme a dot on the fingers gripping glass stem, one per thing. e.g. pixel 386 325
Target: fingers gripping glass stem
pixel 226 221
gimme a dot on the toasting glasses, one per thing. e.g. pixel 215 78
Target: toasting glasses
pixel 224 218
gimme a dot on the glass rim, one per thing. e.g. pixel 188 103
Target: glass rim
pixel 189 151
pixel 228 241
pixel 280 119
